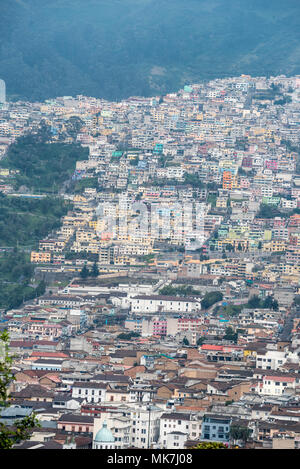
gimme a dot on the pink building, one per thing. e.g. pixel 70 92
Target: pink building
pixel 272 164
pixel 160 327
pixel 44 329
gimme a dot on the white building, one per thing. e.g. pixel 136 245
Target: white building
pixel 91 392
pixel 274 359
pixel 104 439
pixel 135 425
pixel 276 385
pixel 162 303
pixel 2 92
pixel 177 427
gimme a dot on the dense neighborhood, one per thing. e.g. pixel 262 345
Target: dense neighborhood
pixel 171 309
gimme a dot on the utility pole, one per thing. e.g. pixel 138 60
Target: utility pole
pixel 149 425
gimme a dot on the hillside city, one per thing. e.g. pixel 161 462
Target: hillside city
pixel 171 308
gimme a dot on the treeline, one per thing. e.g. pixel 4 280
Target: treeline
pixel 253 303
pixel 16 273
pixel 79 186
pixel 115 49
pixel 43 167
pixel 271 211
pixel 24 221
pixel 210 298
pixel 90 256
pixel 179 291
pixel 85 272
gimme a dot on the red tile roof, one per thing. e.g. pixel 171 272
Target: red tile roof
pixel 49 354
pixel 212 347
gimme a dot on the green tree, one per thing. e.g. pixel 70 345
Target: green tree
pixel 22 428
pixel 210 298
pixel 128 335
pixel 95 270
pixel 84 273
pixel 200 341
pixel 41 288
pixel 297 300
pixel 254 302
pixel 230 334
pixel 270 303
pixel 210 445
pixel 185 341
pixel 73 126
pixel 239 433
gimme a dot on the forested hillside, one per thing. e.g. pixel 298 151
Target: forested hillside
pixel 118 48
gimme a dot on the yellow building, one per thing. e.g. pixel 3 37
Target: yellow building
pixel 277 245
pixel 40 257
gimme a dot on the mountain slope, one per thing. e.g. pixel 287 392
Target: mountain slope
pixel 117 48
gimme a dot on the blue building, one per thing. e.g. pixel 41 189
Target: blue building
pixel 215 428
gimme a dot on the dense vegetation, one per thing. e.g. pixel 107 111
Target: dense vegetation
pixel 267 303
pixel 128 335
pixel 16 273
pixel 230 335
pixel 43 167
pixel 253 303
pixel 117 48
pixel 78 187
pixel 185 290
pixel 210 298
pixel 23 221
pixel 21 430
pixel 85 272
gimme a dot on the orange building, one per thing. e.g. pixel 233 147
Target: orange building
pixel 227 180
pixel 40 257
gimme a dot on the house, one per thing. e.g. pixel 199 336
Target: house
pixel 215 428
pixel 33 392
pixel 47 364
pixel 75 423
pixel 276 385
pixel 176 424
pixel 161 303
pixel 89 391
pixel 176 440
